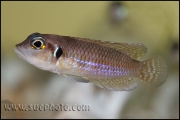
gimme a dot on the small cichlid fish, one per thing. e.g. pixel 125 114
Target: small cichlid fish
pixel 110 65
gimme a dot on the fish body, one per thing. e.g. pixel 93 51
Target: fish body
pixel 110 65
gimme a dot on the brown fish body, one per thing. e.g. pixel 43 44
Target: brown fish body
pixel 96 61
pixel 113 66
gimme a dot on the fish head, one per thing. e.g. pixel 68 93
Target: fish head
pixel 39 50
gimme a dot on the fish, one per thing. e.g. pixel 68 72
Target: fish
pixel 114 66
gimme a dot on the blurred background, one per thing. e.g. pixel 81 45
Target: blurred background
pixel 154 24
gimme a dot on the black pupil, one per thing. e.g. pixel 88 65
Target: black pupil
pixel 37 44
pixel 59 52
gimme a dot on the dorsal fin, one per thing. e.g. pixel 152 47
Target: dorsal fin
pixel 134 50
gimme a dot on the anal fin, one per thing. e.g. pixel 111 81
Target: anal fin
pixel 123 84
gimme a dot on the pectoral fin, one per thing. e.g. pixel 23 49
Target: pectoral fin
pixel 76 78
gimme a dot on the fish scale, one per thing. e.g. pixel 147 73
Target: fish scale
pixel 103 57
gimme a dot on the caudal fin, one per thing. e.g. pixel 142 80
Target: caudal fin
pixel 154 71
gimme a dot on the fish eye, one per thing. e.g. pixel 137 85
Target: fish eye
pixel 38 43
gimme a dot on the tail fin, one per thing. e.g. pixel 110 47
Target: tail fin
pixel 154 71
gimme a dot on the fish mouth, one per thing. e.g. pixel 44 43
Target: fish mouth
pixel 20 53
pixel 25 54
